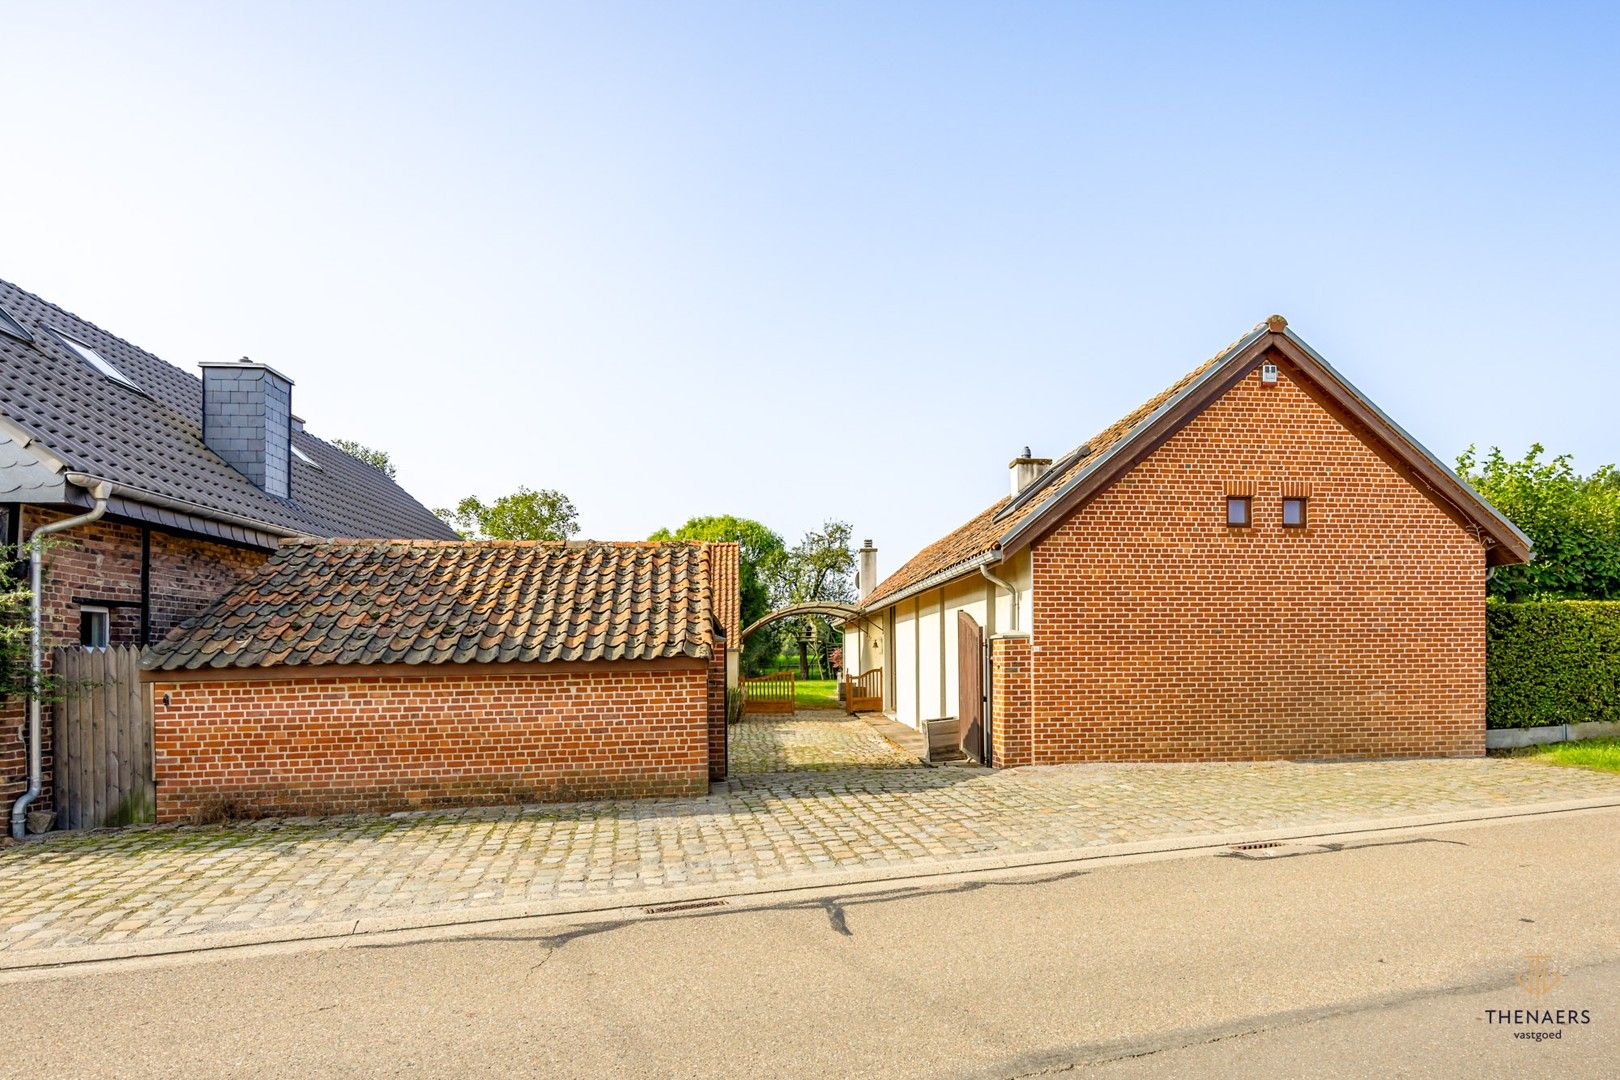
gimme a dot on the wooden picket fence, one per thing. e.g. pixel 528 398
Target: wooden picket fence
pixel 768 694
pixel 102 749
pixel 864 692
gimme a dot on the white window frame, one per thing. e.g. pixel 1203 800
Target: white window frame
pixel 106 625
pixel 94 359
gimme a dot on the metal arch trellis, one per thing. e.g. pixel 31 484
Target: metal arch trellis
pixel 830 609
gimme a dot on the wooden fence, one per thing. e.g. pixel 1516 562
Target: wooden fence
pixel 864 692
pixel 102 751
pixel 768 694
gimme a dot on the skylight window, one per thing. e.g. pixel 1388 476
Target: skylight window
pixel 305 458
pixel 11 326
pixel 94 359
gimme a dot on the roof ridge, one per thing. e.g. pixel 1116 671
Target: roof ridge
pixel 149 439
pixel 983 532
pixel 38 299
pixel 428 602
pixel 364 541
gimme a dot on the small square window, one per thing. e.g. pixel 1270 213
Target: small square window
pixel 95 627
pixel 1237 511
pixel 1294 513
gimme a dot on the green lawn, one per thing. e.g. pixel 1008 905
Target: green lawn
pixel 816 693
pixel 1589 754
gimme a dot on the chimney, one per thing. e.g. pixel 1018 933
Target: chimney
pixel 247 420
pixel 1026 470
pixel 868 579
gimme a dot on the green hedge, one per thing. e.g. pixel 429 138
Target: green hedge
pixel 1552 662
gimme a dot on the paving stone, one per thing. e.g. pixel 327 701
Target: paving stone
pixel 765 828
pixel 810 741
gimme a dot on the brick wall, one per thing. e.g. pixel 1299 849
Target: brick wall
pixel 1160 634
pixel 189 574
pixel 1009 701
pixel 382 743
pixel 102 562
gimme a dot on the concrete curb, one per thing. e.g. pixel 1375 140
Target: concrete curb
pixel 631 902
pixel 1514 738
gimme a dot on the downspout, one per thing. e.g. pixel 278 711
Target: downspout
pixel 36 767
pixel 992 579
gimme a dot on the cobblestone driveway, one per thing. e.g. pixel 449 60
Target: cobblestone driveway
pixel 811 740
pixel 150 883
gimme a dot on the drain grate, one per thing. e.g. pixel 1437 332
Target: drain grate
pixel 1257 845
pixel 695 905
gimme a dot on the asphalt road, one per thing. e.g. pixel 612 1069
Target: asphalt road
pixel 1378 955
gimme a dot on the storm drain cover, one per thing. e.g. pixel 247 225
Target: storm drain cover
pixel 695 905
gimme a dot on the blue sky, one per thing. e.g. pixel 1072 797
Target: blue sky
pixel 836 260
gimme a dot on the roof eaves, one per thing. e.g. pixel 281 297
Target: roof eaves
pixel 25 438
pixel 934 580
pixel 149 498
pixel 1014 538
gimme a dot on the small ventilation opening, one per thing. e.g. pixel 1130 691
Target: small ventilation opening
pixel 1268 374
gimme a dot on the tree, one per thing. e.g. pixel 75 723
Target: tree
pixel 1573 520
pixel 758 551
pixel 523 515
pixel 377 459
pixel 16 647
pixel 821 566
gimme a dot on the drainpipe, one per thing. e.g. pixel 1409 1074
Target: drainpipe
pixel 992 579
pixel 36 560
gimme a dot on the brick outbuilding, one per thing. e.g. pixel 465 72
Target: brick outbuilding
pixel 384 675
pixel 1255 563
pixel 189 480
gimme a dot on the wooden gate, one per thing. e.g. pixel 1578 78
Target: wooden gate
pixel 864 692
pixel 970 682
pixel 102 750
pixel 768 694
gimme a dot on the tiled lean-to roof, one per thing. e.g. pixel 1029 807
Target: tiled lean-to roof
pixel 148 438
pixel 319 603
pixel 1012 522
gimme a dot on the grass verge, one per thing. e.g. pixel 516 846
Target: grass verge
pixel 1601 754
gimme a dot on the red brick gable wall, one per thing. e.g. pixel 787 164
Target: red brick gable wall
pixel 1160 634
pixel 339 743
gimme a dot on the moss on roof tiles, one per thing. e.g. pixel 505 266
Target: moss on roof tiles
pixel 330 602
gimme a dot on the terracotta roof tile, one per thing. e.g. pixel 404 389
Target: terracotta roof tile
pixel 727 599
pixel 442 602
